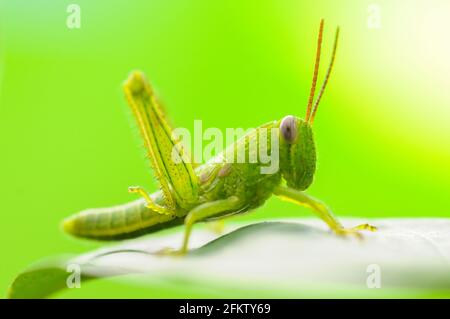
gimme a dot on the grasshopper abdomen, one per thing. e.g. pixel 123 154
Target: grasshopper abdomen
pixel 119 222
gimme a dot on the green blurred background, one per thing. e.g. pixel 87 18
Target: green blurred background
pixel 68 141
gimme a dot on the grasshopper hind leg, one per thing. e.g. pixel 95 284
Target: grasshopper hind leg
pixel 170 162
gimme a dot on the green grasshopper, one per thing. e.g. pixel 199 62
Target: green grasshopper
pixel 216 189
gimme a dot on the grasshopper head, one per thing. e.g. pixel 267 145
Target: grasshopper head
pixel 297 152
pixel 297 148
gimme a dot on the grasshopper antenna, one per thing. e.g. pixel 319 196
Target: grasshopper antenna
pixel 316 71
pixel 327 76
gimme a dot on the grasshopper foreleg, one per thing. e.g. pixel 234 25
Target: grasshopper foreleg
pixel 321 210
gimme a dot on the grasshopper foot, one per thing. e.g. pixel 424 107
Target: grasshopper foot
pixel 168 251
pixel 150 203
pixel 354 231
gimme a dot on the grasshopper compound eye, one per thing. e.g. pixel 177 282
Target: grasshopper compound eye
pixel 288 128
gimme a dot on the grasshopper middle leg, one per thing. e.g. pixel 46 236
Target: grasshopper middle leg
pixel 202 212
